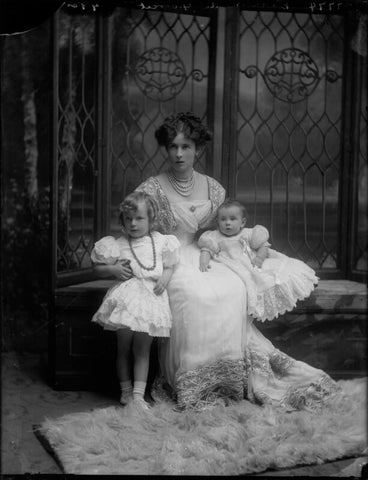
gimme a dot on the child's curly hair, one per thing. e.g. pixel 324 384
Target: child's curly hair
pixel 183 122
pixel 130 205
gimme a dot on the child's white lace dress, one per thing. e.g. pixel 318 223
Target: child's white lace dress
pixel 133 304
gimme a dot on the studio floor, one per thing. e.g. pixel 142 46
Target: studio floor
pixel 27 400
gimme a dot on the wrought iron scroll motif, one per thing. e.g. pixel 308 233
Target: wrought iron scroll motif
pixel 291 75
pixel 160 74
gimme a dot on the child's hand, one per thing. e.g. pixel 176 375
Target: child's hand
pixel 122 270
pixel 160 286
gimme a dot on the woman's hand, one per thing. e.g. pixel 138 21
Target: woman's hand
pixel 122 270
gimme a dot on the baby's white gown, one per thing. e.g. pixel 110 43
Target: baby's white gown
pixel 214 349
pixel 272 290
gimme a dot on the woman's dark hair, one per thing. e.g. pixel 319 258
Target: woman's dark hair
pixel 232 202
pixel 186 123
pixel 130 205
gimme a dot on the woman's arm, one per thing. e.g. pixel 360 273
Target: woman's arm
pixel 120 270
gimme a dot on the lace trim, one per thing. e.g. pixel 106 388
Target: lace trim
pixel 207 385
pixel 216 193
pixel 282 298
pixel 313 396
pixel 280 362
pixel 277 365
pixel 166 222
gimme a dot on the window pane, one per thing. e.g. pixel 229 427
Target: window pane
pixel 289 130
pixel 76 140
pixel 160 64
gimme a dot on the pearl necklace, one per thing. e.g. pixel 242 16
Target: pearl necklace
pixel 137 259
pixel 182 187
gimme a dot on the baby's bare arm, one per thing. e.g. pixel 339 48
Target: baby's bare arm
pixel 262 254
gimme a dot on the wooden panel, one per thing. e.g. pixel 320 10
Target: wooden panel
pixel 328 330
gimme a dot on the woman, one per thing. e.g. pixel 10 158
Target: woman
pixel 214 350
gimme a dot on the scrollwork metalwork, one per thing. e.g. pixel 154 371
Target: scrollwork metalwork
pixel 160 74
pixel 291 75
pixel 251 71
pixel 331 76
pixel 197 75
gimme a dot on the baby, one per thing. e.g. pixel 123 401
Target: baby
pixel 274 281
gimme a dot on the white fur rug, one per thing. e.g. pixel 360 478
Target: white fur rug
pixel 241 438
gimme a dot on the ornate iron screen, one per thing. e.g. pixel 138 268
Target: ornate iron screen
pixel 294 123
pixel 290 108
pixel 75 146
pixel 161 63
pixel 152 63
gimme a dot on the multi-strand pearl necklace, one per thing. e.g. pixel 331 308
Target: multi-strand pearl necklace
pixel 182 187
pixel 153 254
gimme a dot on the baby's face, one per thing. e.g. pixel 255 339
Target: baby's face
pixel 230 220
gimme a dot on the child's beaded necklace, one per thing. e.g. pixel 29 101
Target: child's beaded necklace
pixel 153 253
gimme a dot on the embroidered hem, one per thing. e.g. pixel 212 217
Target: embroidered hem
pixel 208 385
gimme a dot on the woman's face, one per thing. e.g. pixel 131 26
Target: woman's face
pixel 137 224
pixel 182 152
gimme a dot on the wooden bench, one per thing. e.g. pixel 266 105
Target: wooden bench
pixel 327 330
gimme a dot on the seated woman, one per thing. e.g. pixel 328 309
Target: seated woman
pixel 215 351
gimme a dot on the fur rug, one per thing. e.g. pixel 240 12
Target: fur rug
pixel 240 438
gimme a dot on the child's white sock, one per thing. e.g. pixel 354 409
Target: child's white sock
pixel 138 390
pixel 126 392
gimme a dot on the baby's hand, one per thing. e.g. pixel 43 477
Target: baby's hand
pixel 258 262
pixel 160 286
pixel 204 266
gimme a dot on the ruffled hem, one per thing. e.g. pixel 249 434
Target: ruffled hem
pixel 134 324
pixel 133 305
pixel 283 297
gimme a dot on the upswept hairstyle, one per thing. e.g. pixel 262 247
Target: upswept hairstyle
pixel 130 205
pixel 188 124
pixel 231 202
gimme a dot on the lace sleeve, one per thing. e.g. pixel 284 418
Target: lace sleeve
pixel 170 251
pixel 166 222
pixel 259 237
pixel 105 251
pixel 207 241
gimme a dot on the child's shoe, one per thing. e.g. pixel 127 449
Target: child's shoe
pixel 141 403
pixel 125 399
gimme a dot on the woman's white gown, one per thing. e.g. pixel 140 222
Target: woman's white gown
pixel 215 350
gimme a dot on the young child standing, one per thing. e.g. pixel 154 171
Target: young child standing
pixel 138 306
pixel 274 281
